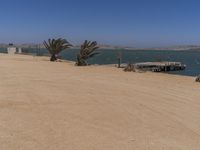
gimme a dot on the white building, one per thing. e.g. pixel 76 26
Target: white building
pixel 11 50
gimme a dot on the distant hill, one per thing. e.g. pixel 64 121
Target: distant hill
pixel 23 45
pixel 180 47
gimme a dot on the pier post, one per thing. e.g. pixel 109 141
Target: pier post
pixel 119 57
pixel 119 62
pixel 165 68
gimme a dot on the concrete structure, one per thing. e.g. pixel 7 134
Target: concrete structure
pixel 11 50
pixel 19 50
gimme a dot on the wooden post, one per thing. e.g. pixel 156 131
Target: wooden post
pixel 165 68
pixel 119 62
pixel 119 57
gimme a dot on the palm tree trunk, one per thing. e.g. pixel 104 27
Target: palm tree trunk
pixel 53 57
pixel 80 61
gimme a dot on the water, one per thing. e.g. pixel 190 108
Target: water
pixel 3 50
pixel 190 58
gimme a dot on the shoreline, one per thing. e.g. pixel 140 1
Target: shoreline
pixel 106 65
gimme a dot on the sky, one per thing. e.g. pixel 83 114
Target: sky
pixel 135 23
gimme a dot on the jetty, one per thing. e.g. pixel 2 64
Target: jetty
pixel 160 66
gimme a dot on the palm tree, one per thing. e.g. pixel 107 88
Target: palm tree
pixel 86 52
pixel 55 46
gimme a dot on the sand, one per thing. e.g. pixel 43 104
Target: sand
pixel 58 106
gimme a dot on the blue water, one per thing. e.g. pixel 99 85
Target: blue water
pixel 3 50
pixel 190 58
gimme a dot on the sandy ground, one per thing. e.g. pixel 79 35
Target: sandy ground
pixel 58 106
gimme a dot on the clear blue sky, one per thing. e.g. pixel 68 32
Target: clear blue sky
pixel 139 23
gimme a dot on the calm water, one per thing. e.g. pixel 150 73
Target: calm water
pixel 190 58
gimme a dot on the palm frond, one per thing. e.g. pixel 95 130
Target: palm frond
pixel 87 51
pixel 55 46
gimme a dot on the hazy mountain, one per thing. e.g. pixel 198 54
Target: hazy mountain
pixel 180 47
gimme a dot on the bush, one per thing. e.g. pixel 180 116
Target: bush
pixel 129 68
pixel 197 78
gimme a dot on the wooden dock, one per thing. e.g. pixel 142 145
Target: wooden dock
pixel 160 66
